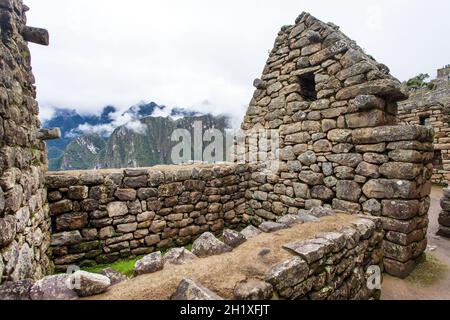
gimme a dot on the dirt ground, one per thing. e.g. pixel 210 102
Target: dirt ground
pixel 439 248
pixel 221 273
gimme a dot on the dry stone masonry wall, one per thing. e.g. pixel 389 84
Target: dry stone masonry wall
pixel 24 219
pixel 332 266
pixel 335 109
pixel 444 217
pixel 432 108
pixel 99 217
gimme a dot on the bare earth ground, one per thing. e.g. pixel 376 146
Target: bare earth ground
pixel 221 273
pixel 395 289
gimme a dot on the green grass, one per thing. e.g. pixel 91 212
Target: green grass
pixel 125 267
pixel 428 271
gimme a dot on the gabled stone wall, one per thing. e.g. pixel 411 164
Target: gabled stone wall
pixel 335 110
pixel 24 219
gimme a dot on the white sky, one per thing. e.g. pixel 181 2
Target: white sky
pixel 205 54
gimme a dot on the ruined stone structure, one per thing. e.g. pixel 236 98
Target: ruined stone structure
pixel 444 74
pixel 431 107
pixel 444 217
pixel 335 108
pixel 24 219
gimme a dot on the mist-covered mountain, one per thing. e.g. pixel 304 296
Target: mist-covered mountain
pixel 134 138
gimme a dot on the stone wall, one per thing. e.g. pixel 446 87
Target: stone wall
pixel 24 219
pixel 335 111
pixel 444 217
pixel 99 217
pixel 341 265
pixel 432 108
pixel 444 73
pixel 333 266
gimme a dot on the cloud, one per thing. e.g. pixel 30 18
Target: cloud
pixel 129 119
pixel 375 17
pixel 181 53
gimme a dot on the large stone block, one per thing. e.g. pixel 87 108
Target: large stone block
pixel 56 287
pixel 78 192
pixel 188 290
pixel 401 170
pixel 71 221
pixel 309 250
pixel 373 118
pixel 399 269
pixel 8 230
pixel 348 190
pixel 208 245
pixel 392 134
pixel 149 264
pixel 311 178
pixel 66 238
pixel 346 206
pixel 117 209
pixel 126 194
pixel 391 189
pixel 346 159
pixel 62 206
pixel 56 181
pixel 388 88
pixel 253 289
pixel 288 273
pixel 91 178
pixel 171 189
pixel 135 182
pixel 401 209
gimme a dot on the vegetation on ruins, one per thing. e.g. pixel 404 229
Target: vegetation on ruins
pixel 419 82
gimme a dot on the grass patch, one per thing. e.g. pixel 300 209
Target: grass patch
pixel 428 271
pixel 125 267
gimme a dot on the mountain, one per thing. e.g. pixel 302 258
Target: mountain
pixel 82 152
pixel 128 148
pixel 98 141
pixel 69 120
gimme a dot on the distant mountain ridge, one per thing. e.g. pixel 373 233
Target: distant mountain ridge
pixel 144 140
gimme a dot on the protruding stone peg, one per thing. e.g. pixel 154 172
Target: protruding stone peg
pixel 36 35
pixel 49 134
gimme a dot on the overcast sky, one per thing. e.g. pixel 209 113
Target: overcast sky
pixel 205 54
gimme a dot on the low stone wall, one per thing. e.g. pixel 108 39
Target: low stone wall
pixel 101 216
pixel 333 266
pixel 444 217
pixel 341 265
pixel 432 108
